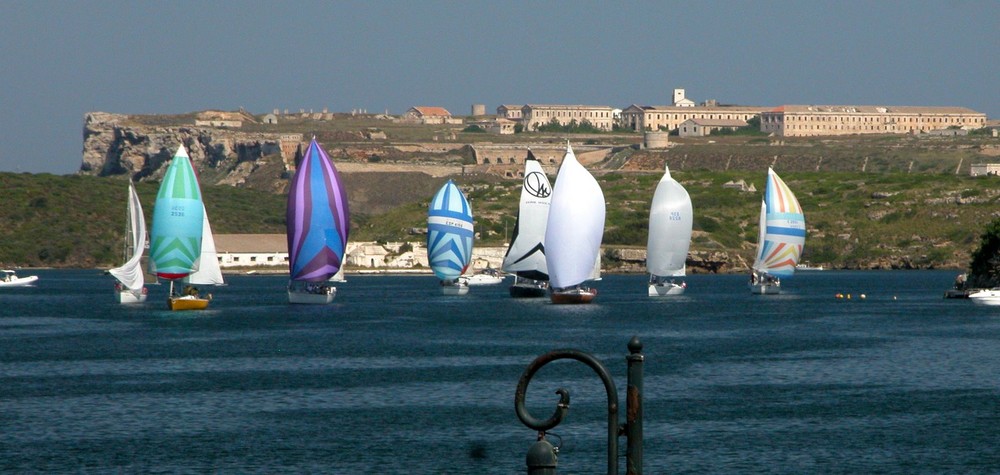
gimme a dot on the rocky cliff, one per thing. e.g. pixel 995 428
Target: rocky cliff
pixel 113 145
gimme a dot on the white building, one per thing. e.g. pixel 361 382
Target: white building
pixel 251 250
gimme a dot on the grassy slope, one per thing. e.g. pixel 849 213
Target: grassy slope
pixel 930 218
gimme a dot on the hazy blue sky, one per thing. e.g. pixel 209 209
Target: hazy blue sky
pixel 61 59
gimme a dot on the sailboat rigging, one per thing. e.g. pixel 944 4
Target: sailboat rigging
pixel 574 231
pixel 175 244
pixel 449 238
pixel 525 257
pixel 130 286
pixel 781 237
pixel 317 220
pixel 670 223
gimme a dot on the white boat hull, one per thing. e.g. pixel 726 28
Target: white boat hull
pixel 15 281
pixel 311 293
pixel 666 289
pixel 483 279
pixel 312 298
pixel 127 296
pixel 771 288
pixel 454 289
pixel 986 297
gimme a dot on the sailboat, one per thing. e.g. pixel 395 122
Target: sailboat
pixel 449 238
pixel 781 237
pixel 670 222
pixel 130 287
pixel 317 227
pixel 574 231
pixel 175 244
pixel 525 257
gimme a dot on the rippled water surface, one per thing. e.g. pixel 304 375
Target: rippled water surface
pixel 396 378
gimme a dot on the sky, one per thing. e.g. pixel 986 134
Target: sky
pixel 61 59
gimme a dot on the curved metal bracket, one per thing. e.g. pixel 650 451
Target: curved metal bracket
pixel 563 406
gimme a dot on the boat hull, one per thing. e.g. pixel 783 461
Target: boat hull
pixel 986 297
pixel 666 289
pixel 772 288
pixel 454 289
pixel 522 291
pixel 573 296
pixel 127 296
pixel 16 281
pixel 312 298
pixel 484 279
pixel 187 303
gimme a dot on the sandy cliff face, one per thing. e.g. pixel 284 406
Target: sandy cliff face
pixel 112 146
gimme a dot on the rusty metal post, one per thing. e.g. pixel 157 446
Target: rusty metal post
pixel 609 386
pixel 541 458
pixel 633 409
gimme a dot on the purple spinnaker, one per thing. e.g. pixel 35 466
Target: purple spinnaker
pixel 317 218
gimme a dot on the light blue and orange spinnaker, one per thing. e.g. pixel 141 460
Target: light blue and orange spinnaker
pixel 317 218
pixel 449 232
pixel 175 236
pixel 786 228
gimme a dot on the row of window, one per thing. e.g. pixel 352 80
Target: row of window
pixel 775 118
pixel 251 259
pixel 604 115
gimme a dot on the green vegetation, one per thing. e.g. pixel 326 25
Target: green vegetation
pixel 79 221
pixel 984 270
pixel 854 219
pixel 573 127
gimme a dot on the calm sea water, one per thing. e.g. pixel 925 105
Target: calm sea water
pixel 396 378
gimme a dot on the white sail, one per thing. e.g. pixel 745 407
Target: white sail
pixel 595 272
pixel 526 254
pixel 130 273
pixel 575 225
pixel 761 235
pixel 208 272
pixel 670 223
pixel 339 276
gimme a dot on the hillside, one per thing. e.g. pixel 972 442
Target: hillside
pixel 855 220
pixel 879 201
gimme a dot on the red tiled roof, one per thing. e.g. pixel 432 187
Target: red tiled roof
pixel 433 111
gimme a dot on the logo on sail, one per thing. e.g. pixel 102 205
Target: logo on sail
pixel 537 185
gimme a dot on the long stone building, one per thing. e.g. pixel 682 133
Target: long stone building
pixel 669 118
pixel 535 115
pixel 808 120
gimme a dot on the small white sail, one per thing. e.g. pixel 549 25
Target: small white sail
pixel 670 223
pixel 595 272
pixel 208 272
pixel 575 225
pixel 130 274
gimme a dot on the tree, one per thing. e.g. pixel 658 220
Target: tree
pixel 984 270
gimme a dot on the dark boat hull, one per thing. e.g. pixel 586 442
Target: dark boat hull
pixel 527 291
pixel 573 296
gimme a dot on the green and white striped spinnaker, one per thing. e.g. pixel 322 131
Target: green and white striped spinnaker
pixel 175 237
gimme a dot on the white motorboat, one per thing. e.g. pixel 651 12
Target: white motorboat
pixel 10 279
pixel 986 296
